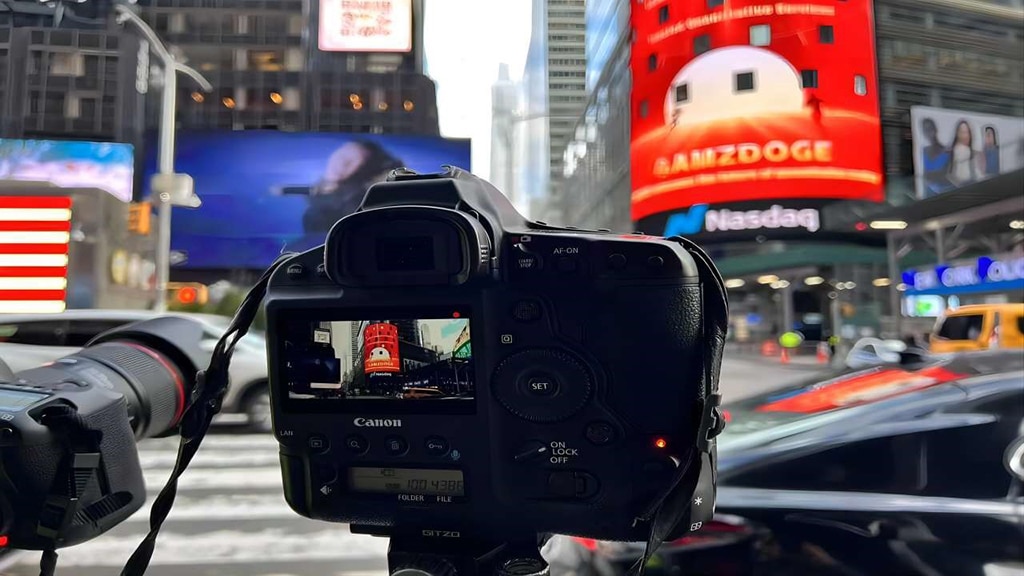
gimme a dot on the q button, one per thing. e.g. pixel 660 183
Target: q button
pixel 356 444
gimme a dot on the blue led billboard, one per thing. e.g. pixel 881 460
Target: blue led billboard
pixel 265 192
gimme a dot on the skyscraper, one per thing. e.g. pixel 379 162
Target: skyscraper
pixel 504 121
pixel 554 90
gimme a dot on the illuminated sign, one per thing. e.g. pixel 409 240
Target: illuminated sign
pixel 701 218
pixel 753 101
pixel 983 275
pixel 380 348
pixel 107 166
pixel 365 25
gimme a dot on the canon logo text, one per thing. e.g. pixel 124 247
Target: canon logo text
pixel 378 422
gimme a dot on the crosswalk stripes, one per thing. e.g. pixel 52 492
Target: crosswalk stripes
pixel 230 518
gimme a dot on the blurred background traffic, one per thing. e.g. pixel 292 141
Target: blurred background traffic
pixel 855 168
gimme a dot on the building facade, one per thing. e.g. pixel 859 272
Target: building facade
pixel 963 56
pixel 554 91
pixel 504 110
pixel 82 78
pixel 69 72
pixel 268 71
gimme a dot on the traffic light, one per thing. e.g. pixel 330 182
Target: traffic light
pixel 139 216
pixel 188 293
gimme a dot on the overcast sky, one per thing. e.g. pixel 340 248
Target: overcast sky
pixel 463 59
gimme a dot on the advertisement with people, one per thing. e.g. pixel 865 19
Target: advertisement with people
pixel 107 166
pixel 953 148
pixel 265 192
pixel 753 101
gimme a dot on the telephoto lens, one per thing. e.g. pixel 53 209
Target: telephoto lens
pixel 153 364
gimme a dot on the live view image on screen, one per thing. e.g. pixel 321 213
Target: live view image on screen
pixel 423 359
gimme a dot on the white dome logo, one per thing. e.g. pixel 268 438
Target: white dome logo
pixel 733 82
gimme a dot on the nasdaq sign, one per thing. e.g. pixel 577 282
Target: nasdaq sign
pixel 701 218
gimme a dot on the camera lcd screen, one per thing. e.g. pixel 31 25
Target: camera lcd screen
pixel 422 359
pixel 407 481
pixel 405 254
pixel 18 400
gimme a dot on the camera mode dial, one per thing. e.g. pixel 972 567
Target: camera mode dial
pixel 542 384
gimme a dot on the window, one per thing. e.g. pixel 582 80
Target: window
pixel 46 333
pixel 643 109
pixel 701 44
pixel 652 62
pixel 860 85
pixel 683 93
pixel 826 35
pixel 760 35
pixel 715 3
pixel 809 78
pixel 266 60
pixel 80 332
pixel 966 327
pixel 744 82
pixel 663 14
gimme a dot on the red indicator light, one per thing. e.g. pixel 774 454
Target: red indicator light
pixel 860 226
pixel 188 295
pixel 456 315
pixel 3 541
pixel 661 443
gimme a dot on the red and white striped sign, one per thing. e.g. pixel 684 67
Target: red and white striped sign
pixel 34 235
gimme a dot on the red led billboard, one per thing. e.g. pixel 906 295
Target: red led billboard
pixel 753 100
pixel 380 348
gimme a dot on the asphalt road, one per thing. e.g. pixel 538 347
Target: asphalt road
pixel 231 519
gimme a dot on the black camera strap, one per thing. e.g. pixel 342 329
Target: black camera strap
pixel 690 497
pixel 78 467
pixel 204 404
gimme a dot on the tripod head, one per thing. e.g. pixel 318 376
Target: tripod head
pixel 418 556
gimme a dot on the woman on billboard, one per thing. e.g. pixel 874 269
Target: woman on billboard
pixel 991 149
pixel 965 163
pixel 936 159
pixel 351 169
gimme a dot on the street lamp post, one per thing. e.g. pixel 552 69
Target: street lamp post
pixel 165 149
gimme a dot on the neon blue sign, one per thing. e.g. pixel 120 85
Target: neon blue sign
pixel 983 275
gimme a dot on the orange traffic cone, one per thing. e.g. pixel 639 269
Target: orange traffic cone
pixel 822 353
pixel 784 357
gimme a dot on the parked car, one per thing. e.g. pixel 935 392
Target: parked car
pixel 891 470
pixel 28 340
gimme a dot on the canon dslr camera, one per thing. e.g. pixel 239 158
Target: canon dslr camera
pixel 443 368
